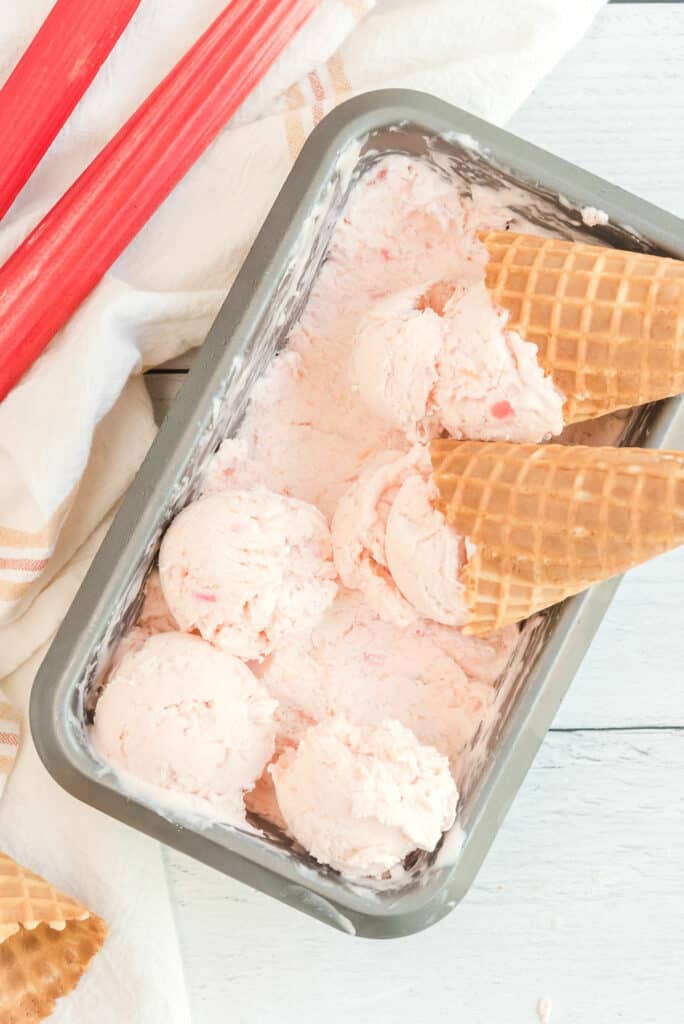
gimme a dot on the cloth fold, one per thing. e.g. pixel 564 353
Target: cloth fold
pixel 75 429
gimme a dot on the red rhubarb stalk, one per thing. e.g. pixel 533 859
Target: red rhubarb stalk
pixel 71 45
pixel 62 260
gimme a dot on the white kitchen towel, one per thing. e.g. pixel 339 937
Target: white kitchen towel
pixel 74 405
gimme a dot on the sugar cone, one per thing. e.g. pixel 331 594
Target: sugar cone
pixel 47 940
pixel 547 521
pixel 609 325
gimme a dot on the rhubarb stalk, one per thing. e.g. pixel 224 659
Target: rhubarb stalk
pixel 70 47
pixel 64 257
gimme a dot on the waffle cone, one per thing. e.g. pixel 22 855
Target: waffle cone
pixel 609 325
pixel 47 940
pixel 548 521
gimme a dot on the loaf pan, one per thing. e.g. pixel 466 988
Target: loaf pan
pixel 253 323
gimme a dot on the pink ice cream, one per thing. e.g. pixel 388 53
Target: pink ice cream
pixel 155 616
pixel 246 567
pixel 186 724
pixel 231 468
pixel 249 566
pixel 440 358
pixel 360 798
pixel 307 431
pixel 433 679
pixel 390 542
pixel 425 555
pixel 395 363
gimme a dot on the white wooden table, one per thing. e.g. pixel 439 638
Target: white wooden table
pixel 581 900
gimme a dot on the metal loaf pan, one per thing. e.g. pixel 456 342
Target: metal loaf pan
pixel 266 299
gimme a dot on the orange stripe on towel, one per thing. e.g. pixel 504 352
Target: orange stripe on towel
pixel 11 591
pixel 358 8
pixel 338 77
pixel 294 132
pixel 23 564
pixel 319 96
pixel 43 537
pixel 6 766
pixel 294 125
pixel 295 97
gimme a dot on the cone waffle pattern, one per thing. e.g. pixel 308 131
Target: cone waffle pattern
pixel 609 324
pixel 46 942
pixel 548 521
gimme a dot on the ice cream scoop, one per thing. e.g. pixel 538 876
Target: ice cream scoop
pixel 440 356
pixel 390 542
pixel 245 567
pixel 360 798
pixel 187 724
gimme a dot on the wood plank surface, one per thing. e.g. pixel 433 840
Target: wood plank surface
pixel 580 901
